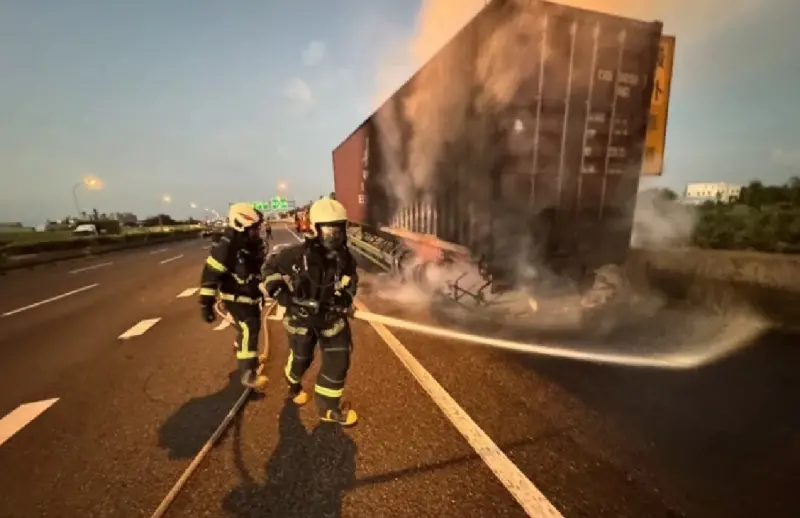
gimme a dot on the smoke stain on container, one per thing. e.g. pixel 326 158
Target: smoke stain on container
pixel 521 140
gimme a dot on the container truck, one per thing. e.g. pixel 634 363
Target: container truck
pixel 522 140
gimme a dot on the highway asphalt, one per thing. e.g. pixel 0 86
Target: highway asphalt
pixel 113 423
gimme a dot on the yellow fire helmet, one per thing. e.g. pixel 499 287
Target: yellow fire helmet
pixel 326 212
pixel 242 216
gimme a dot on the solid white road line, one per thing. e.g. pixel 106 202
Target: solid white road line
pixel 521 488
pixel 139 329
pixel 207 247
pixel 187 293
pixel 93 267
pixel 295 234
pixel 51 299
pixel 158 251
pixel 21 416
pixel 165 261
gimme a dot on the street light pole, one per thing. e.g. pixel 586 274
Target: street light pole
pixel 75 199
pixel 89 182
pixel 165 199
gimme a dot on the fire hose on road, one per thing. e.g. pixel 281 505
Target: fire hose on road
pixel 675 361
pixel 672 361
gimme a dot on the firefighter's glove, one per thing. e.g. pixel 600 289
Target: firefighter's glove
pixel 280 292
pixel 207 310
pixel 284 297
pixel 344 302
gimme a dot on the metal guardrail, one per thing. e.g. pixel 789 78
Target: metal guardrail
pixel 88 248
pixel 393 256
pixel 385 254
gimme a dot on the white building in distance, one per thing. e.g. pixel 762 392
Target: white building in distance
pixel 702 192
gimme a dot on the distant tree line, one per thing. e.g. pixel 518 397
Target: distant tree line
pixel 126 219
pixel 166 220
pixel 765 218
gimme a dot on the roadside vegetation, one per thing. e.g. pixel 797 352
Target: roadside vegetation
pixel 106 227
pixel 765 218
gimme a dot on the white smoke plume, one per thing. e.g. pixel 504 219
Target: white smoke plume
pixel 437 107
pixel 437 111
pixel 434 110
pixel 660 222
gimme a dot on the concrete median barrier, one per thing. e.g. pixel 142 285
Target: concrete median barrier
pixel 721 280
pixel 27 255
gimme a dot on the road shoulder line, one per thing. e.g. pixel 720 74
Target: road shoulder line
pixel 521 488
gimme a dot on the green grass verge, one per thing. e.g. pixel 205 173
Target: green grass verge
pixel 72 243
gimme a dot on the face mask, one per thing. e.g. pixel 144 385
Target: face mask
pixel 253 232
pixel 332 237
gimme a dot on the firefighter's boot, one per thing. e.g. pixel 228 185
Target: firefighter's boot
pixel 251 379
pixel 296 394
pixel 344 417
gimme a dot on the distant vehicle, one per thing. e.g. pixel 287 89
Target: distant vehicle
pixel 85 230
pixel 302 224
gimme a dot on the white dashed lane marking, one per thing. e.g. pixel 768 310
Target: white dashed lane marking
pixel 223 325
pixel 46 301
pixel 93 267
pixel 21 416
pixel 165 261
pixel 187 293
pixel 160 250
pixel 139 329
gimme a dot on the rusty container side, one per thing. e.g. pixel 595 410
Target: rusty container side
pixel 348 173
pixel 543 168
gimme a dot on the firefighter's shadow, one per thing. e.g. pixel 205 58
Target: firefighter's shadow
pixel 185 432
pixel 306 476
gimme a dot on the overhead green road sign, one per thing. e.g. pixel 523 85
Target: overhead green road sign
pixel 279 203
pixel 276 203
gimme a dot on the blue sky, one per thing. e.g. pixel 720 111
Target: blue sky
pixel 180 97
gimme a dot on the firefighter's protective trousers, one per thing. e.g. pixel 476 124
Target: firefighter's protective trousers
pixel 336 345
pixel 247 318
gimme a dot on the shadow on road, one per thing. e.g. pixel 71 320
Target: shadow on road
pixel 186 431
pixel 306 477
pixel 728 433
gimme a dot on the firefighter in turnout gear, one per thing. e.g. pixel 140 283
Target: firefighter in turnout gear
pixel 267 231
pixel 232 271
pixel 316 282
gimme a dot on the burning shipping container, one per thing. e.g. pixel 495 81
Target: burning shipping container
pixel 522 139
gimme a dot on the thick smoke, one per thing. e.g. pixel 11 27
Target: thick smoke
pixel 440 107
pixel 435 113
pixel 436 107
pixel 449 105
pixel 660 222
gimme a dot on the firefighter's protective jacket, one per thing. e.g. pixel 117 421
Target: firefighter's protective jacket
pixel 233 268
pixel 314 275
